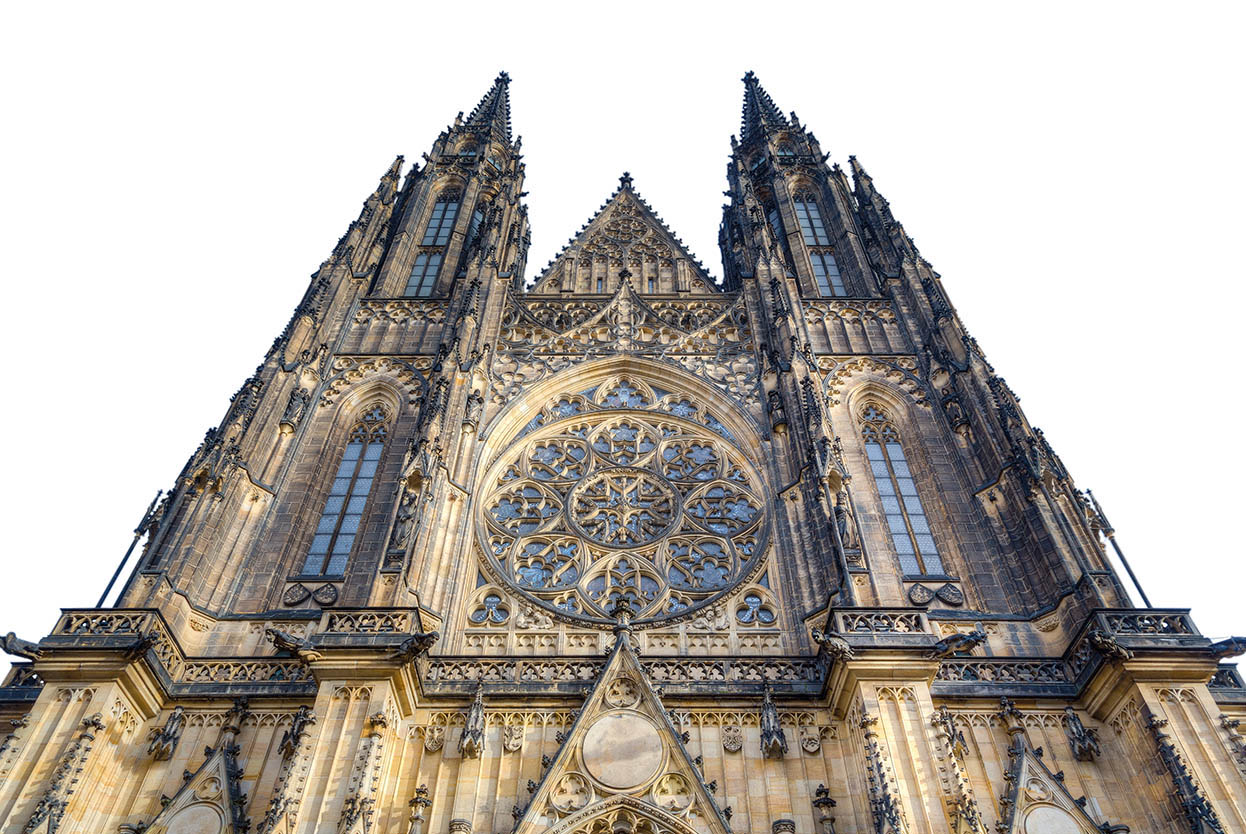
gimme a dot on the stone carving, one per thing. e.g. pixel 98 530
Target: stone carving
pixel 475 405
pixel 1199 814
pixel 472 741
pixel 434 738
pixel 285 801
pixel 285 642
pixel 773 741
pixel 810 739
pixel 533 618
pixel 622 692
pixel 672 793
pixel 512 738
pixel 572 793
pixel 55 799
pixel 16 646
pixel 884 806
pixel 325 595
pixel 732 738
pixel 404 523
pixel 958 643
pixel 415 646
pixel 1106 645
pixel 296 594
pixel 834 645
pixel 295 409
pixel 824 806
pixel 1231 647
pixel 919 594
pixel 418 804
pixel 163 740
pixel 365 774
pixel 950 594
pixel 1083 741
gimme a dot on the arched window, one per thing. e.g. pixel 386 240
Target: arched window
pixel 445 210
pixel 810 217
pixel 423 278
pixel 785 150
pixel 343 509
pixel 826 273
pixel 906 518
pixel 776 224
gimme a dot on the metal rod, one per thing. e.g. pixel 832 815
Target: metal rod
pixel 138 534
pixel 1110 532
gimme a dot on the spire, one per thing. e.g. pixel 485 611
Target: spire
pixel 494 110
pixel 760 111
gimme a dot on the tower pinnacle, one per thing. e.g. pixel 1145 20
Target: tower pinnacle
pixel 760 111
pixel 494 110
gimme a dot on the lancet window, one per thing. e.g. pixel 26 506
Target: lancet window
pixel 348 496
pixel 906 517
pixel 424 270
pixel 826 276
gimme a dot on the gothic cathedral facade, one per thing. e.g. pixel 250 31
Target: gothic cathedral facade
pixel 622 548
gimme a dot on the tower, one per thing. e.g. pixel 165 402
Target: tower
pixel 620 547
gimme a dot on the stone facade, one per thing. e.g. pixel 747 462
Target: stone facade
pixel 624 548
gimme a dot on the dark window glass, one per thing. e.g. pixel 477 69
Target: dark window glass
pixel 348 496
pixel 423 276
pixel 441 223
pixel 902 508
pixel 826 274
pixel 811 225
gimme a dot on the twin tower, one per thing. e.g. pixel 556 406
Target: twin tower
pixel 620 547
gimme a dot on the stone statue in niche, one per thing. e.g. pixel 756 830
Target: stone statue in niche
pixel 295 409
pixel 404 524
pixel 475 405
pixel 1083 741
pixel 164 739
pixel 846 520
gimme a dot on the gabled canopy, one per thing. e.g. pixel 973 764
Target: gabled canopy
pixel 625 240
pixel 622 758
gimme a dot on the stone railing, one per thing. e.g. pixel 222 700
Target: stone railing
pixel 1149 623
pixel 691 674
pixel 1003 670
pixel 370 621
pixel 399 311
pixel 881 621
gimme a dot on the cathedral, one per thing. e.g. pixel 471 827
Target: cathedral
pixel 619 546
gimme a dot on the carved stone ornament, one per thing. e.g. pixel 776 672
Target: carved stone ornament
pixel 325 595
pixel 296 594
pixel 164 740
pixel 919 594
pixel 810 739
pixel 672 793
pixel 572 793
pixel 512 738
pixel 434 738
pixel 733 738
pixel 622 692
pixel 950 594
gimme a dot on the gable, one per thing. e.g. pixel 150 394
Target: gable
pixel 625 243
pixel 622 759
pixel 1038 802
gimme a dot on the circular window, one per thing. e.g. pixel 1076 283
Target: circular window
pixel 596 507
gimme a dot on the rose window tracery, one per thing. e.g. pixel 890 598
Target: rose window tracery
pixel 610 504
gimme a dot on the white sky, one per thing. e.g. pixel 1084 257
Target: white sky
pixel 172 175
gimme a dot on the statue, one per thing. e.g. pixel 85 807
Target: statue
pixel 414 646
pixel 475 405
pixel 836 646
pixel 773 741
pixel 16 646
pixel 1106 645
pixel 164 740
pixel 404 524
pixel 958 643
pixel 302 649
pixel 846 521
pixel 295 408
pixel 1083 741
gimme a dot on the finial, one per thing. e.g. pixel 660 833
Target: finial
pixel 625 181
pixel 622 613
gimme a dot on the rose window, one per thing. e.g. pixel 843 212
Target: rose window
pixel 594 506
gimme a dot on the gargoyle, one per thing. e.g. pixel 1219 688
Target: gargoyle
pixel 16 646
pixel 140 646
pixel 957 643
pixel 836 646
pixel 1231 647
pixel 285 642
pixel 1106 645
pixel 416 645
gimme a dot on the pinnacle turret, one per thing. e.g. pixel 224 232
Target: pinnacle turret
pixel 494 110
pixel 760 111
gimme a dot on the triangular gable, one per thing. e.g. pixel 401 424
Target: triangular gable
pixel 625 236
pixel 1037 802
pixel 211 799
pixel 622 758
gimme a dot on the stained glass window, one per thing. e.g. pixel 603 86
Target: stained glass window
pixel 348 496
pixel 902 507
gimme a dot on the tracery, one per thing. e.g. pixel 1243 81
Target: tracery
pixel 624 490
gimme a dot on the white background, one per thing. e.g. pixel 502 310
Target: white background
pixel 172 176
